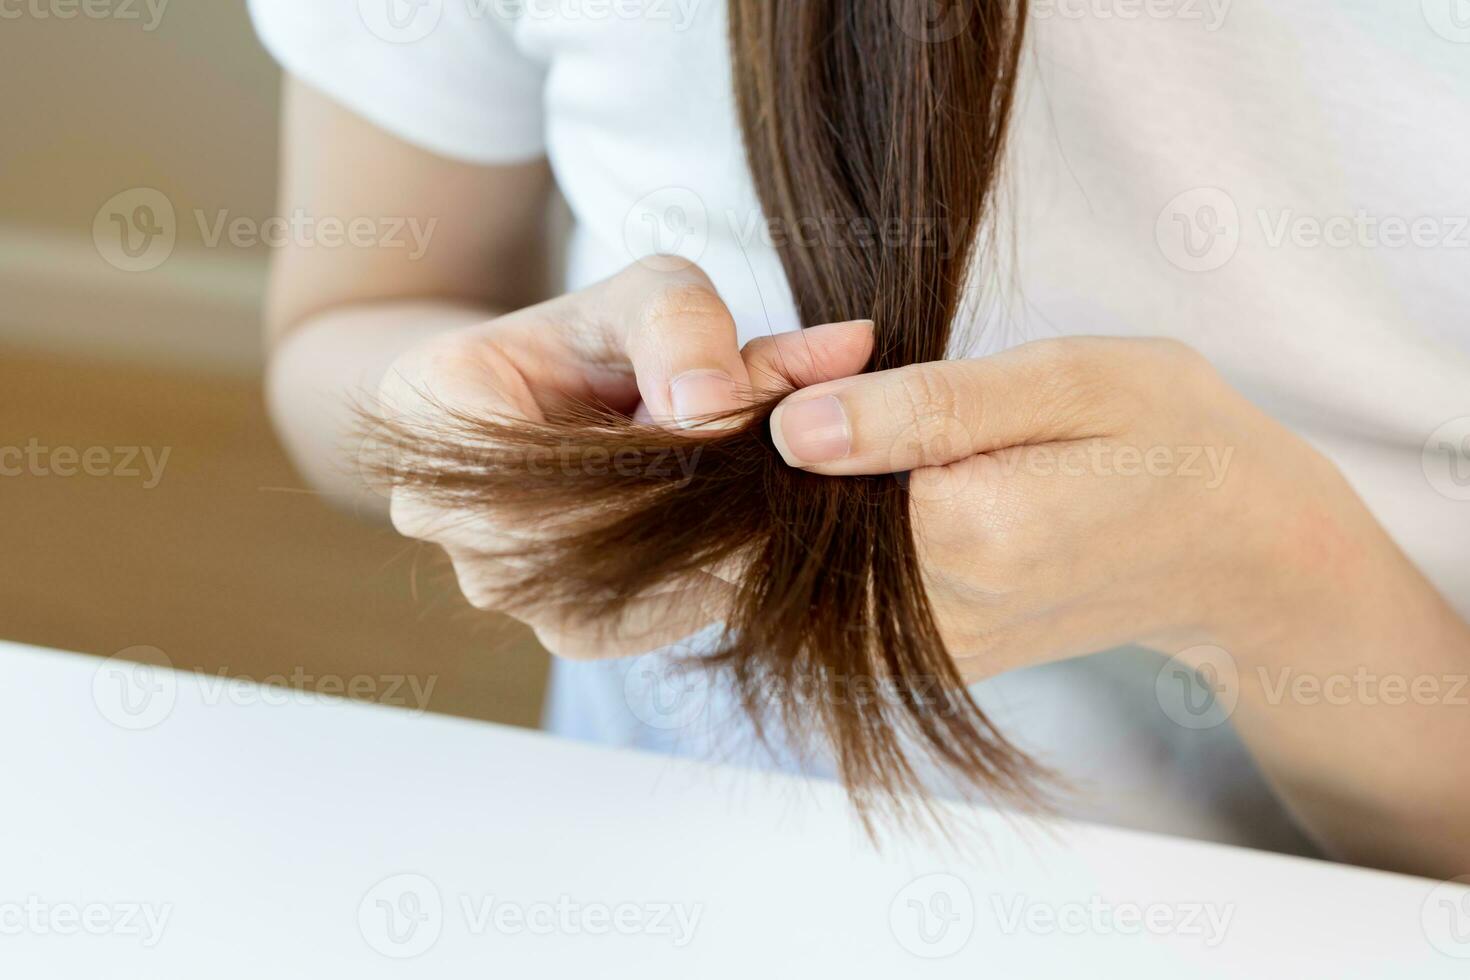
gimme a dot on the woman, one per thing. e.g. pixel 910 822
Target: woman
pixel 1270 500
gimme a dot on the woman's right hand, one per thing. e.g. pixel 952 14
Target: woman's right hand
pixel 654 341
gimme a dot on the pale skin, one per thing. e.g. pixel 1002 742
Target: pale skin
pixel 1064 497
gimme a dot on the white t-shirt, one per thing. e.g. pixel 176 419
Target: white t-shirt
pixel 1280 184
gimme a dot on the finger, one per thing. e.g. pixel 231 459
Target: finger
pixel 808 357
pixel 645 624
pixel 656 333
pixel 936 413
pixel 683 344
pixel 463 371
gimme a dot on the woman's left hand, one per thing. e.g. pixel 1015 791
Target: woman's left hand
pixel 1070 496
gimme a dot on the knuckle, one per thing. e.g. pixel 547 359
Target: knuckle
pixel 760 350
pixel 475 583
pixel 682 307
pixel 1176 367
pixel 441 356
pixel 927 397
pixel 1180 360
pixel 769 371
pixel 1172 349
pixel 943 555
pixel 984 522
pixel 958 561
pixel 998 512
pixel 410 516
pixel 565 644
pixel 1075 389
pixel 401 388
pixel 928 484
pixel 442 368
pixel 480 599
pixel 660 267
pixel 1063 363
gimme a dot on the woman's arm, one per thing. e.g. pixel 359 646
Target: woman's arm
pixel 1075 496
pixel 453 244
pixel 1358 706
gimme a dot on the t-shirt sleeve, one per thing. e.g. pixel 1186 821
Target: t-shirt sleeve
pixel 444 75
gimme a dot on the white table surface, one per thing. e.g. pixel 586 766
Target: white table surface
pixel 268 837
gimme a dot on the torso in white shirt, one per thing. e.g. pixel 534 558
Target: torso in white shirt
pixel 1280 184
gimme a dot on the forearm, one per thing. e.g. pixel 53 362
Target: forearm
pixel 330 365
pixel 337 317
pixel 1360 715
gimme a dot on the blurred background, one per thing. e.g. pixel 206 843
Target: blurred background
pixel 205 545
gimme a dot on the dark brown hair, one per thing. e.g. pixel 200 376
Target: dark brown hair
pixel 858 113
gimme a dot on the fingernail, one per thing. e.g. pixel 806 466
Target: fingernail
pixel 816 431
pixel 699 394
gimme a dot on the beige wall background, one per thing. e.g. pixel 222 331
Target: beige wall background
pixel 176 96
pixel 186 104
pixel 229 564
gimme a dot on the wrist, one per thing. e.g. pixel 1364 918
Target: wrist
pixel 1341 593
pixel 1317 567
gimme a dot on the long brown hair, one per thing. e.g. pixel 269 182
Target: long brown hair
pixel 861 115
